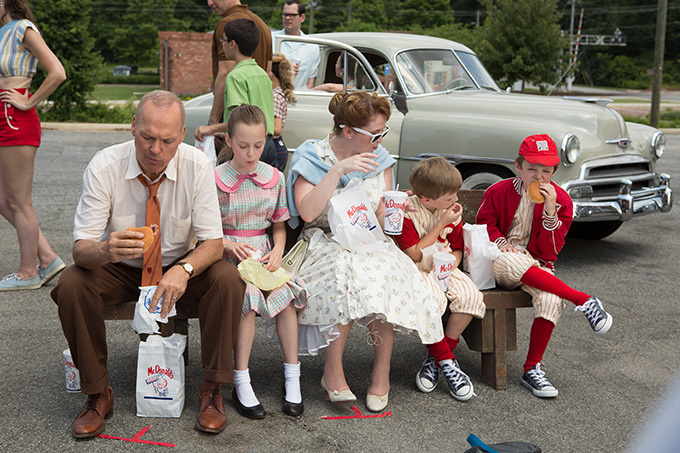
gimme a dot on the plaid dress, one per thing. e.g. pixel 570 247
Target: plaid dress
pixel 248 205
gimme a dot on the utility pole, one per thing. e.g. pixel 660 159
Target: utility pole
pixel 311 6
pixel 658 62
pixel 570 77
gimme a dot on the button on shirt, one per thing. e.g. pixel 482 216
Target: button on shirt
pixel 306 54
pixel 113 200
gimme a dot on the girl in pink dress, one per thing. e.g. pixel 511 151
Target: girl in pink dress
pixel 252 198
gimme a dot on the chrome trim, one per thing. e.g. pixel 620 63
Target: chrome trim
pixel 563 149
pixel 623 159
pixel 654 144
pixel 598 101
pixel 628 204
pixel 622 142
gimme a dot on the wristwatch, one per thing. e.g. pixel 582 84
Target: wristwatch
pixel 187 267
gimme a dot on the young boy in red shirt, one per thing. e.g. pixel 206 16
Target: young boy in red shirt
pixel 530 235
pixel 436 218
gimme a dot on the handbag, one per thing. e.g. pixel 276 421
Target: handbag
pixel 292 260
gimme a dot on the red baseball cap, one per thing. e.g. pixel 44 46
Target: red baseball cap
pixel 539 149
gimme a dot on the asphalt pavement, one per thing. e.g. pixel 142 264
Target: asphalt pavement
pixel 608 385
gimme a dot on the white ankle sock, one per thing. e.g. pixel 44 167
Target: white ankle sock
pixel 292 382
pixel 244 390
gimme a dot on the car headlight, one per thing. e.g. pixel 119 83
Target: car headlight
pixel 570 149
pixel 658 145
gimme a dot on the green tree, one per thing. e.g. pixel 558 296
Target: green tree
pixel 522 41
pixel 136 38
pixel 425 13
pixel 63 24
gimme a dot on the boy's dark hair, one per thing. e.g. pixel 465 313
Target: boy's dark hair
pixel 245 33
pixel 435 177
pixel 519 160
pixel 300 5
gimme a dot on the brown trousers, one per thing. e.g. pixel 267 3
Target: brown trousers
pixel 81 295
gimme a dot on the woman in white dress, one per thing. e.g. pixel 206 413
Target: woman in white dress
pixel 381 290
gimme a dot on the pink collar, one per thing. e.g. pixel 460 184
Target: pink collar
pixel 229 180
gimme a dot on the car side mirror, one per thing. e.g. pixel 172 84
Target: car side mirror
pixel 391 90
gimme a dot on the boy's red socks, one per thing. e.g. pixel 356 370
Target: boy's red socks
pixel 541 330
pixel 440 350
pixel 451 342
pixel 545 281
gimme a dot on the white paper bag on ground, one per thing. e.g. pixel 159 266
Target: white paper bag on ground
pixel 353 223
pixel 145 322
pixel 160 376
pixel 208 147
pixel 479 255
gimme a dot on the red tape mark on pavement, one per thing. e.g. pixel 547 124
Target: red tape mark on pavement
pixel 358 414
pixel 136 438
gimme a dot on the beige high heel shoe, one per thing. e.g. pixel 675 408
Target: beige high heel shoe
pixel 338 396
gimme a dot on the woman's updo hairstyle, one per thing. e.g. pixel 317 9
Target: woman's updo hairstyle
pixel 357 109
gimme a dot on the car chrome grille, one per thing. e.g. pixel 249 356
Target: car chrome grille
pixel 618 170
pixel 604 177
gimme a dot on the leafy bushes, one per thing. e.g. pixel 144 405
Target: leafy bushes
pixel 141 78
pixel 93 112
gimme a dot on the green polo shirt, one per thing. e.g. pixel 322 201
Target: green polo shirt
pixel 248 83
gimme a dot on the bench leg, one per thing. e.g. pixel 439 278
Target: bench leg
pixel 495 364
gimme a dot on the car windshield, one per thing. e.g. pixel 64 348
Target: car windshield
pixel 439 70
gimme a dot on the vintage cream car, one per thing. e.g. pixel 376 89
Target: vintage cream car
pixel 446 104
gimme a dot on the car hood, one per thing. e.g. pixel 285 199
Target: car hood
pixel 552 115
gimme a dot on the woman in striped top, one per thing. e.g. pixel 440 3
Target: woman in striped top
pixel 21 49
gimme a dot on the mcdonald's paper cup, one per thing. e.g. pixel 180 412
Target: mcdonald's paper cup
pixel 72 374
pixel 394 211
pixel 443 265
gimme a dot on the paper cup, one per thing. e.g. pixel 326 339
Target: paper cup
pixel 394 211
pixel 443 265
pixel 72 374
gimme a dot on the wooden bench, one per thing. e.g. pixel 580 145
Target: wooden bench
pixel 496 333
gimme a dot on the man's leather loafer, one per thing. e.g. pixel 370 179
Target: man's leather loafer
pixel 253 412
pixel 293 409
pixel 211 415
pixel 90 421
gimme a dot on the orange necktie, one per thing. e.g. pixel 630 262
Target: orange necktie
pixel 152 269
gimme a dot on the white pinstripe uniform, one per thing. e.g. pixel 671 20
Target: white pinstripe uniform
pixel 510 267
pixel 463 295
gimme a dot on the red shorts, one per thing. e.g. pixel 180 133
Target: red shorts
pixel 18 127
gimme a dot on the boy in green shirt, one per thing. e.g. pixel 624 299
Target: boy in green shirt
pixel 246 83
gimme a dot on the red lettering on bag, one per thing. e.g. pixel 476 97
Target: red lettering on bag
pixel 354 209
pixel 158 370
pixel 69 363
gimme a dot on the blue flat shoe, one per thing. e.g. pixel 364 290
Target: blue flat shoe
pixel 50 271
pixel 15 282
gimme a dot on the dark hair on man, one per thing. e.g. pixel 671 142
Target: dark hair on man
pixel 300 5
pixel 245 33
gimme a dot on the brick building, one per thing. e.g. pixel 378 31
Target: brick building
pixel 185 62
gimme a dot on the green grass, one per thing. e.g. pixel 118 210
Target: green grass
pixel 121 92
pixel 668 119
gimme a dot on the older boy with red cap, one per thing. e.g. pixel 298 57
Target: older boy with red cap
pixel 530 235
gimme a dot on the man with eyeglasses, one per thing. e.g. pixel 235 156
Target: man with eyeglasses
pixel 304 57
pixel 231 10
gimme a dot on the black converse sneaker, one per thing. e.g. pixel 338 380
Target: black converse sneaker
pixel 535 380
pixel 428 376
pixel 459 383
pixel 600 321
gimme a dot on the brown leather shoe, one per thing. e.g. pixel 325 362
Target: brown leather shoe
pixel 90 421
pixel 211 415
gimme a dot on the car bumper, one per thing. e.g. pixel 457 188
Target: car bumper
pixel 629 203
